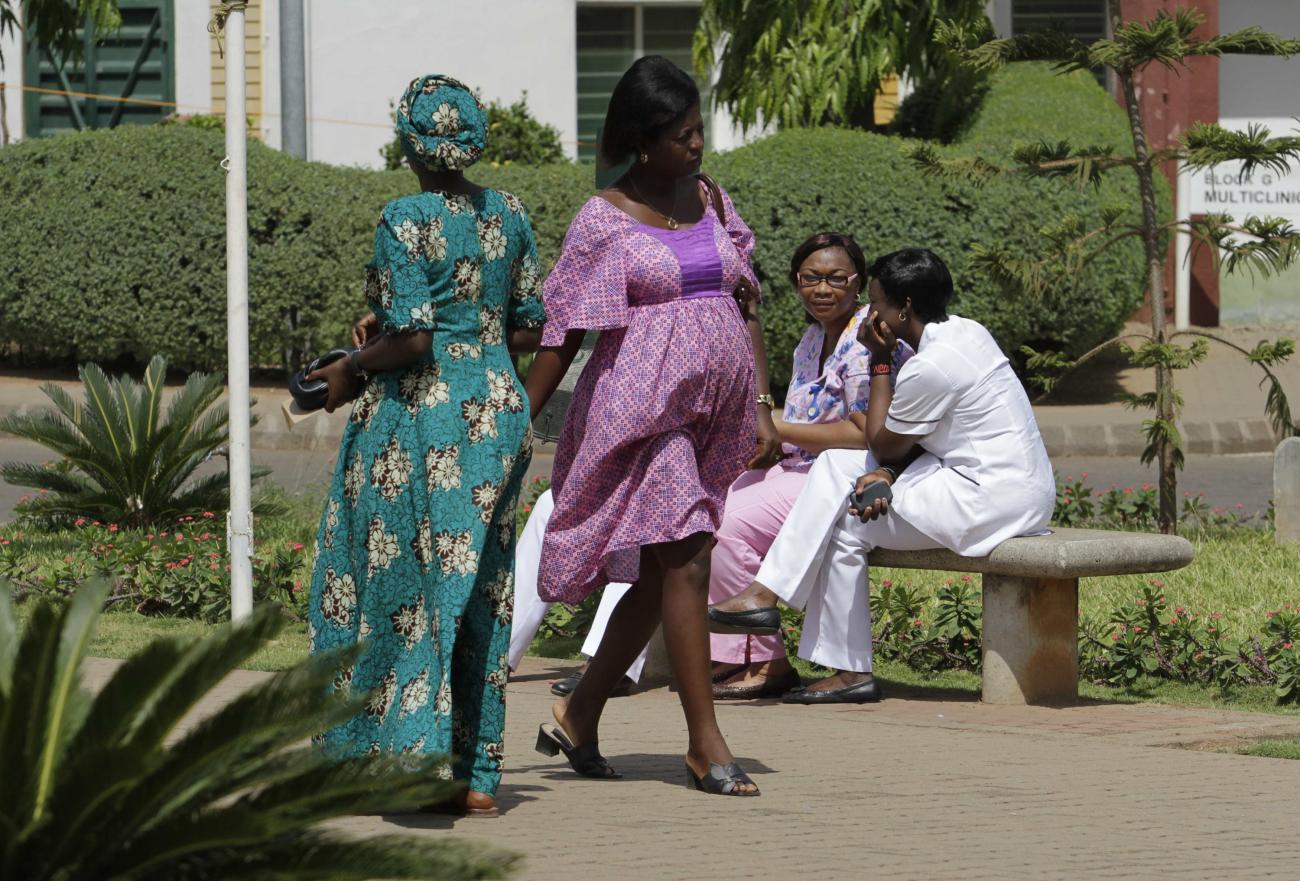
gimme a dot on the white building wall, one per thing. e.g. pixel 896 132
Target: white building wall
pixel 192 72
pixel 1263 90
pixel 12 48
pixel 359 62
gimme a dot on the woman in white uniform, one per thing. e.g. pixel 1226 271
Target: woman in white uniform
pixel 955 437
pixel 530 609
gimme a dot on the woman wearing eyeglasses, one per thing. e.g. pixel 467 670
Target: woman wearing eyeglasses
pixel 825 408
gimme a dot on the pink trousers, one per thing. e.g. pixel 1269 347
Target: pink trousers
pixel 757 505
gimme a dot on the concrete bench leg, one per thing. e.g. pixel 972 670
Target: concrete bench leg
pixel 1031 644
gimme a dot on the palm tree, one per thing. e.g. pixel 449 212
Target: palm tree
pixel 110 788
pixel 122 460
pixel 1266 245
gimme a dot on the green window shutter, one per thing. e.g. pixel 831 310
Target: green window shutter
pixel 670 31
pixel 607 41
pixel 134 62
pixel 606 48
pixel 1085 19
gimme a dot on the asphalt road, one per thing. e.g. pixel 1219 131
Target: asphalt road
pixel 1226 480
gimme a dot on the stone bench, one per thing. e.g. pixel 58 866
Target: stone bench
pixel 1031 601
pixel 1031 604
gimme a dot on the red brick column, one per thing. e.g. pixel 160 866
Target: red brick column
pixel 1171 101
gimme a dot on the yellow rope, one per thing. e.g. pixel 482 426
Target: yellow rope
pixel 218 23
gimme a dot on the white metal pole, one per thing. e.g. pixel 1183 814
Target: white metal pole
pixel 1182 251
pixel 239 520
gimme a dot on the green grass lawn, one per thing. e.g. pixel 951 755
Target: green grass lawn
pixel 1274 749
pixel 1238 572
pixel 121 634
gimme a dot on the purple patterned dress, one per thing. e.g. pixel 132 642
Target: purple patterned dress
pixel 662 418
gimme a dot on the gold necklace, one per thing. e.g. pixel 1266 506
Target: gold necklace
pixel 672 224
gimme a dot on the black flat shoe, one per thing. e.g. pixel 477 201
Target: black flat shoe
pixel 863 693
pixel 776 686
pixel 585 759
pixel 721 780
pixel 762 622
pixel 565 686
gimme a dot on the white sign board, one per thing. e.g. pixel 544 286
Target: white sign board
pixel 1261 192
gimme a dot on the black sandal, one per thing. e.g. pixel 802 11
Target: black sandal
pixel 585 760
pixel 721 780
pixel 564 687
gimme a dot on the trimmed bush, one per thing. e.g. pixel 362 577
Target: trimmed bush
pixel 800 182
pixel 114 240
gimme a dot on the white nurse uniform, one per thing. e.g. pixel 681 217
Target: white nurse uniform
pixel 984 477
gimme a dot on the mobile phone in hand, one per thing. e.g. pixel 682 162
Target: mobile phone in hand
pixel 878 489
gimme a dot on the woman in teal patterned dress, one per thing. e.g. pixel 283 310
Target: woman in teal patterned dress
pixel 416 543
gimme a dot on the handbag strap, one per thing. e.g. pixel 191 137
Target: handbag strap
pixel 715 193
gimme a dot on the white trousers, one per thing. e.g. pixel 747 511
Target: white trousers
pixel 818 562
pixel 530 609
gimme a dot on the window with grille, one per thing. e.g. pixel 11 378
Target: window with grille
pixel 610 38
pixel 133 62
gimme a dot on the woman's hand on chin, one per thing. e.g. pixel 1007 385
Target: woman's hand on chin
pixel 878 338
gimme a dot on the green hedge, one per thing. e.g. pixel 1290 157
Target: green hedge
pixel 114 240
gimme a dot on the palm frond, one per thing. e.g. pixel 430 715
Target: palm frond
pixel 1065 51
pixel 1266 356
pixel 8 644
pixel 1086 166
pixel 197 671
pixel 47 428
pixel 122 461
pixel 926 158
pixel 44 477
pixel 101 412
pixel 102 794
pixel 1209 144
pixel 1247 41
pixel 46 701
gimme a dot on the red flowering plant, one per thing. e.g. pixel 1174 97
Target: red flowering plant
pixel 1144 639
pixel 183 571
pixel 1149 638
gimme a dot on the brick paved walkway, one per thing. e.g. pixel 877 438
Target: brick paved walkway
pixel 912 788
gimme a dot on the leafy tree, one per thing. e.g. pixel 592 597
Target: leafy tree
pixel 1254 244
pixel 115 788
pixel 123 460
pixel 804 63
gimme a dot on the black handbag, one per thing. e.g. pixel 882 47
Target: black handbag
pixel 312 394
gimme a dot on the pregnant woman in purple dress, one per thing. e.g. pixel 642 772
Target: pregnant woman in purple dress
pixel 664 417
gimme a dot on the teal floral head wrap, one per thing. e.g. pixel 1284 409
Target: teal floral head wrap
pixel 441 124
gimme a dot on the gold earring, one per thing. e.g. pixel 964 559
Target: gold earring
pixel 902 316
pixel 644 158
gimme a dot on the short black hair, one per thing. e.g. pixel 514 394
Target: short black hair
pixel 651 94
pixel 916 274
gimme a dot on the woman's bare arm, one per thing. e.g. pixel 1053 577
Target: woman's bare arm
pixel 548 368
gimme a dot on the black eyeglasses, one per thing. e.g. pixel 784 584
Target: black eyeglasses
pixel 811 280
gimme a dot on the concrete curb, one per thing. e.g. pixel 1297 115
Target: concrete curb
pixel 1126 439
pixel 1120 437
